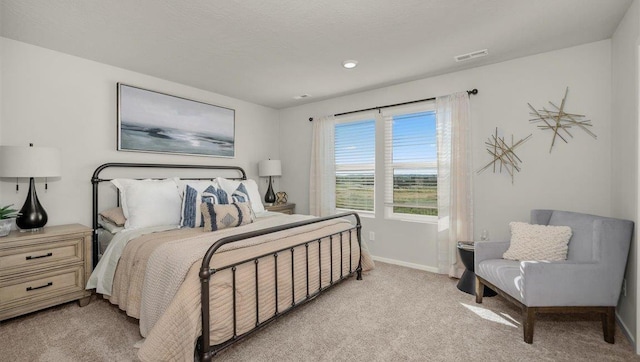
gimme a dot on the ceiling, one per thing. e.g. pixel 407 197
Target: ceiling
pixel 267 52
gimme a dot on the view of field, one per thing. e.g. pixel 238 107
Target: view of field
pixel 354 191
pixel 417 193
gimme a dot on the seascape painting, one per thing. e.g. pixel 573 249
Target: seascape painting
pixel 149 121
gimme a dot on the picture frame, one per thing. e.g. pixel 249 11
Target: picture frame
pixel 150 121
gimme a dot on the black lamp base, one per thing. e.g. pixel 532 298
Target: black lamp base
pixel 32 215
pixel 270 196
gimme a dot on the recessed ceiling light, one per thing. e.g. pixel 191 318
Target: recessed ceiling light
pixel 468 56
pixel 350 64
pixel 302 96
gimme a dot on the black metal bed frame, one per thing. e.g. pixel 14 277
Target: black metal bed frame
pixel 204 351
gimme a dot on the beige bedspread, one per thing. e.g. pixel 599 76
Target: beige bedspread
pixel 169 312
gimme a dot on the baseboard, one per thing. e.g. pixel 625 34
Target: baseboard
pixel 625 330
pixel 405 264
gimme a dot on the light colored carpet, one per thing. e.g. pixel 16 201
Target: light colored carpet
pixel 395 313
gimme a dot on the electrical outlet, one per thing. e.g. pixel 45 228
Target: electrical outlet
pixel 372 236
pixel 624 287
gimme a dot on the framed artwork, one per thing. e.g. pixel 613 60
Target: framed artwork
pixel 151 121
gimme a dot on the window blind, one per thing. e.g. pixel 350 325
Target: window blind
pixel 411 162
pixel 355 165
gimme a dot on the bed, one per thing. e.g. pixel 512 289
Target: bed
pixel 200 292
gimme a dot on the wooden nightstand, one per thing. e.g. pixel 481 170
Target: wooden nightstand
pixel 282 208
pixel 45 268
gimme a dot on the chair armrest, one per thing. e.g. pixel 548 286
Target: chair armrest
pixel 485 250
pixel 568 283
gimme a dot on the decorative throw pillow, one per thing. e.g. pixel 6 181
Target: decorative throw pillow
pixel 215 195
pixel 114 216
pixel 538 242
pixel 240 194
pixel 109 226
pixel 218 217
pixel 250 190
pixel 193 198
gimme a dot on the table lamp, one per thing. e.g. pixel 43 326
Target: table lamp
pixel 269 168
pixel 31 162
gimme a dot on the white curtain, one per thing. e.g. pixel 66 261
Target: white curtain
pixel 455 205
pixel 322 177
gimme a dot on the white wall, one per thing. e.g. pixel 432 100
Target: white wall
pixel 53 99
pixel 576 176
pixel 624 163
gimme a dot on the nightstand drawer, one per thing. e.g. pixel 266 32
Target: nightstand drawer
pixel 27 258
pixel 281 208
pixel 41 286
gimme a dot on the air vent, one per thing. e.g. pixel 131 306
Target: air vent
pixel 476 54
pixel 302 96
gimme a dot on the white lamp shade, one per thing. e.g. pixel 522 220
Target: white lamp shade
pixel 20 161
pixel 269 168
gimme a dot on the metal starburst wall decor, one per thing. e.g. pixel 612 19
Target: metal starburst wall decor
pixel 504 156
pixel 560 121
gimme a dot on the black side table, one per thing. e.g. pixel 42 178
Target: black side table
pixel 467 282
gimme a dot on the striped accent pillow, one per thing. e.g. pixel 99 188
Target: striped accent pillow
pixel 250 188
pixel 218 216
pixel 192 199
pixel 215 195
pixel 240 194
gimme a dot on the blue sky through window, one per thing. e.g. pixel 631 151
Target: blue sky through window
pixel 414 140
pixel 355 142
pixel 414 137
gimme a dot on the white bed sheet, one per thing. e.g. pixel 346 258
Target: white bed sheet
pixel 102 276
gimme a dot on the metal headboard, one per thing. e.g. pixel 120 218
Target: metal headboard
pixel 95 180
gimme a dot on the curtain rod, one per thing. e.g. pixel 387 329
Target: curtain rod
pixel 469 92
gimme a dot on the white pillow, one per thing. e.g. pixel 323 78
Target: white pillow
pixel 149 202
pixel 252 189
pixel 538 242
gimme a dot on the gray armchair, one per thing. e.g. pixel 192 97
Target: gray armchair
pixel 588 281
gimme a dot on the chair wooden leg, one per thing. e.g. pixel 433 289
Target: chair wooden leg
pixel 609 324
pixel 528 317
pixel 479 290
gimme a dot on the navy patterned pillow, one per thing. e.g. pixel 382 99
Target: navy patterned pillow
pixel 240 194
pixel 192 199
pixel 215 195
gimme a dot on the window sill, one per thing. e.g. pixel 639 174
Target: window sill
pixel 365 214
pixel 412 218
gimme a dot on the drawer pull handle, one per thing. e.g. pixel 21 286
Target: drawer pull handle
pixel 40 287
pixel 39 256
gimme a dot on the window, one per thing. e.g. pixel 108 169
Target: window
pixel 411 166
pixel 410 163
pixel 355 165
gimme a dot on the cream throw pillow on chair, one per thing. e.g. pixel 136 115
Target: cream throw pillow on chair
pixel 538 242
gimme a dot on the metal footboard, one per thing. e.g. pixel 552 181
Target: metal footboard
pixel 204 350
